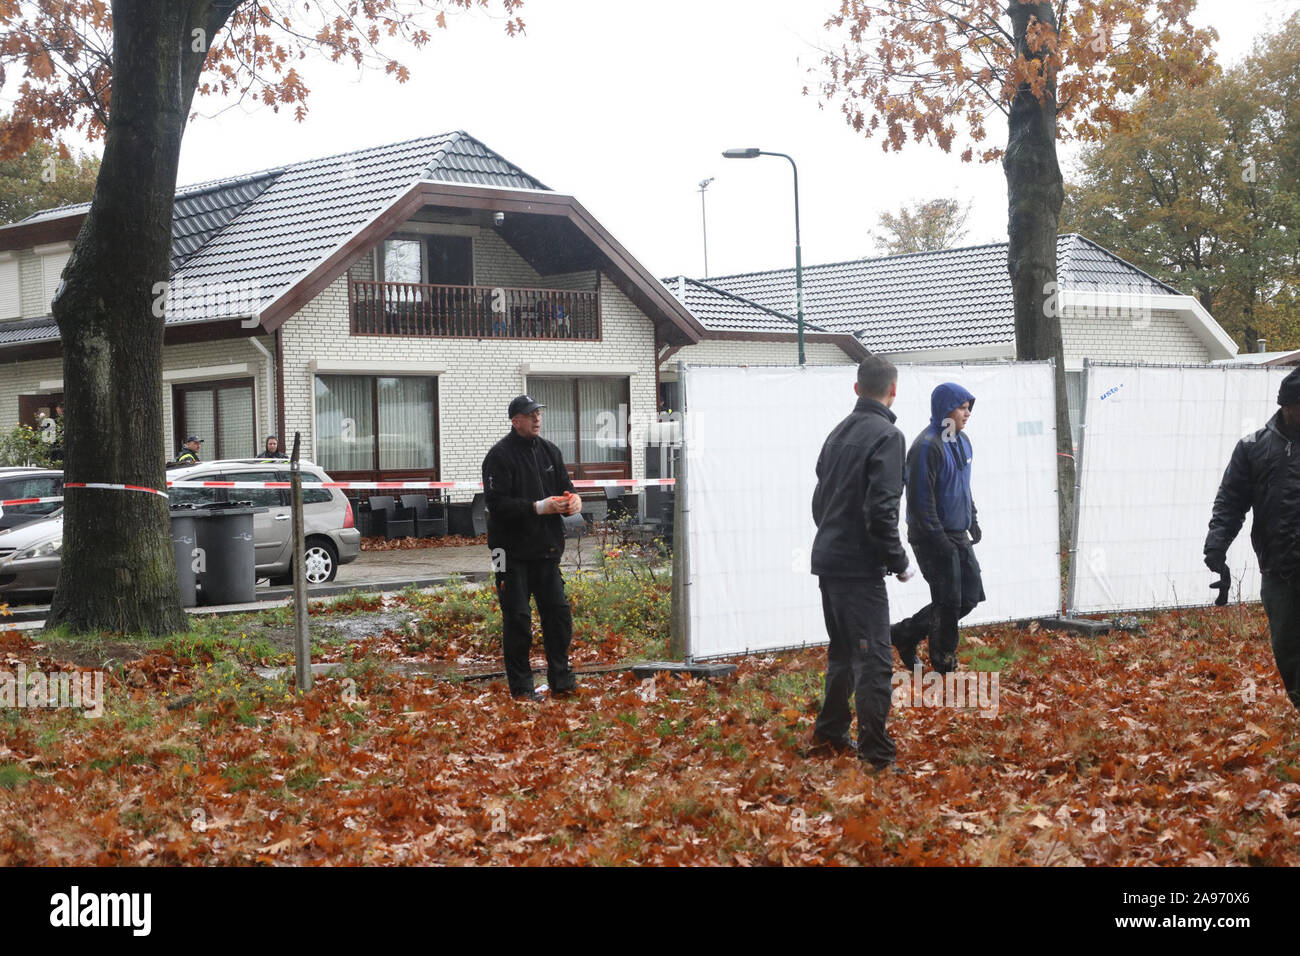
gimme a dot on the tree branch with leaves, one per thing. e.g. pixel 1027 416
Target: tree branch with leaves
pixel 934 71
pixel 128 71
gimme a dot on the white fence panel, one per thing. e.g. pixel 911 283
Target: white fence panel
pixel 1156 441
pixel 752 440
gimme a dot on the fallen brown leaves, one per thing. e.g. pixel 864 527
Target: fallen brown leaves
pixel 1173 747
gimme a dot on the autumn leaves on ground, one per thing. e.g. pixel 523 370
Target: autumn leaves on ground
pixel 1174 746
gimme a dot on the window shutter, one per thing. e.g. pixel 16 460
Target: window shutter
pixel 52 267
pixel 10 299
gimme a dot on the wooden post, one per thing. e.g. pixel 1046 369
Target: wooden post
pixel 302 633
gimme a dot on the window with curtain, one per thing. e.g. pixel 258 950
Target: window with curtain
pixel 586 417
pixel 602 419
pixel 221 413
pixel 559 419
pixel 348 409
pixel 406 408
pixel 402 260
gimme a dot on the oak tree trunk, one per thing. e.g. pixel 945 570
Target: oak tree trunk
pixel 117 571
pixel 1035 193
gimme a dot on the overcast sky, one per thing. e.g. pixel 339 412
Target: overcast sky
pixel 627 106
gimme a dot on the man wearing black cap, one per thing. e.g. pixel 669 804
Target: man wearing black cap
pixel 190 451
pixel 1264 474
pixel 527 491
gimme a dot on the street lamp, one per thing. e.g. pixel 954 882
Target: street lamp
pixel 754 153
pixel 704 223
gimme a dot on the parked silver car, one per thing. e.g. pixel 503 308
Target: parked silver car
pixel 329 526
pixel 29 554
pixel 28 482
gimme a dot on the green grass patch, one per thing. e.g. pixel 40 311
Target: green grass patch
pixel 13 775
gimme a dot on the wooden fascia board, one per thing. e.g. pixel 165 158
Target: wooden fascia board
pixel 26 235
pixel 172 335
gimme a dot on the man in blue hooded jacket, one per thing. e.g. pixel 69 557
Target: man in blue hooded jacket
pixel 942 529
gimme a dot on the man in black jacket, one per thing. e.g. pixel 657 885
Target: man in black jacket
pixel 855 508
pixel 527 489
pixel 1264 474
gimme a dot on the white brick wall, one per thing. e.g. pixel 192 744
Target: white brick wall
pixel 24 378
pixel 733 352
pixel 495 263
pixel 481 375
pixel 1158 336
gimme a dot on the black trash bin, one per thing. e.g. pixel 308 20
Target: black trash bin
pixel 225 533
pixel 184 541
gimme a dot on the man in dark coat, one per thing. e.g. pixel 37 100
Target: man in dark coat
pixel 855 508
pixel 1264 474
pixel 527 490
pixel 942 529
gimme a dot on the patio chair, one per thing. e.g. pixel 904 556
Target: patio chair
pixel 430 517
pixel 468 518
pixel 391 520
pixel 617 503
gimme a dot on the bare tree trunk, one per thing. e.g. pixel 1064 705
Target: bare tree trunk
pixel 1035 193
pixel 117 572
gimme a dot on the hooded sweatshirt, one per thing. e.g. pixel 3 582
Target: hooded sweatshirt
pixel 938 471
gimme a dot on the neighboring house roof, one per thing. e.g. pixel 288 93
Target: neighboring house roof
pixel 724 315
pixel 721 311
pixel 1263 358
pixel 951 298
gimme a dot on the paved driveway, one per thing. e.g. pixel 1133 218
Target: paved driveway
pixel 438 562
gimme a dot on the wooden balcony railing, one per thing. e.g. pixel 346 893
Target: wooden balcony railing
pixel 483 312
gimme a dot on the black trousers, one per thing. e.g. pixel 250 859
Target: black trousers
pixel 1282 605
pixel 955 588
pixel 520 581
pixel 858 662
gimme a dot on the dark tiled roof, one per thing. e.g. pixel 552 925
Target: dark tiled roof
pixel 720 311
pixel 240 243
pixel 929 300
pixel 201 212
pixel 19 331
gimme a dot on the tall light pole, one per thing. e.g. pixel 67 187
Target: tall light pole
pixel 704 224
pixel 754 153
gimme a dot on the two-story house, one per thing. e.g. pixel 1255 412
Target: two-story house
pixel 387 304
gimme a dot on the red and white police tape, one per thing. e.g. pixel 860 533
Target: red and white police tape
pixel 355 485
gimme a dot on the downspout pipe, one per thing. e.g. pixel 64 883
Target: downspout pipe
pixel 270 390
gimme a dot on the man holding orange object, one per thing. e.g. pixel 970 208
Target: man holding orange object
pixel 527 492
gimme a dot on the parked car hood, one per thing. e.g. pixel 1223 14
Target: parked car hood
pixel 33 532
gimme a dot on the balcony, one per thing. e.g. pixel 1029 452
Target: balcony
pixel 469 311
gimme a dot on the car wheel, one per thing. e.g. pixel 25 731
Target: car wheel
pixel 321 561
